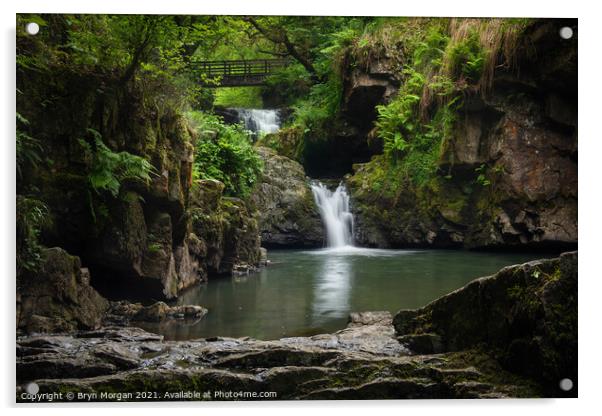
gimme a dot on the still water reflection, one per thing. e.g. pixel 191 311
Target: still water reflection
pixel 310 292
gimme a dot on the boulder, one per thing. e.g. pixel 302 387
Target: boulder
pixel 58 297
pixel 527 314
pixel 288 216
pixel 225 234
pixel 124 311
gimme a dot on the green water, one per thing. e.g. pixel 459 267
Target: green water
pixel 311 292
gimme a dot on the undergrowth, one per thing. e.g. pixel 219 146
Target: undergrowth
pixel 443 64
pixel 224 152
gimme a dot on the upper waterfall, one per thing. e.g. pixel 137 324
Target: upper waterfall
pixel 335 213
pixel 259 120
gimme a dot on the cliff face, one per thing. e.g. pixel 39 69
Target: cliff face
pixel 149 240
pixel 508 175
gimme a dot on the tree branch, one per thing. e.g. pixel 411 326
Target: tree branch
pixel 139 53
pixel 281 54
pixel 280 37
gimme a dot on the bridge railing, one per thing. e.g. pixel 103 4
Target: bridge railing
pixel 235 72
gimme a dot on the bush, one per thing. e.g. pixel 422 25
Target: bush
pixel 225 153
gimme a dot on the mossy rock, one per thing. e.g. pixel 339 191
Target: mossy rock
pixel 526 315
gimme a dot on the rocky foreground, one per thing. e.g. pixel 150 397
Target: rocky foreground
pixel 512 334
pixel 363 361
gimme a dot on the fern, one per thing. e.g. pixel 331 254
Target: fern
pixel 28 149
pixel 32 216
pixel 109 169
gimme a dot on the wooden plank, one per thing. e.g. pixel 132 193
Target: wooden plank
pixel 239 72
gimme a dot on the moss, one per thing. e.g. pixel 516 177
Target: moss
pixel 493 373
pixel 287 142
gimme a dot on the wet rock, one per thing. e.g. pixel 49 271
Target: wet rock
pixel 157 312
pixel 385 388
pixel 370 318
pixel 328 366
pixel 117 355
pixel 121 334
pixel 288 216
pixel 154 313
pixel 263 257
pixel 207 193
pixel 39 366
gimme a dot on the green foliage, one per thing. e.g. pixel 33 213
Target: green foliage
pixel 28 149
pixel 487 176
pixel 109 169
pixel 245 97
pixel 428 53
pixel 410 139
pixel 313 114
pixel 32 215
pixel 154 49
pixel 467 58
pixel 154 247
pixel 225 153
pixel 288 84
pixel 482 175
pixel 288 141
pixel 397 121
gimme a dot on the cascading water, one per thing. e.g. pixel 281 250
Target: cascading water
pixel 335 213
pixel 259 120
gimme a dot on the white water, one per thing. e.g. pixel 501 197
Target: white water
pixel 259 120
pixel 336 216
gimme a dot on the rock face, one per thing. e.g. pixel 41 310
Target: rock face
pixel 225 233
pixel 363 361
pixel 288 216
pixel 153 239
pixel 369 84
pixel 508 175
pixel 136 239
pixel 59 298
pixel 526 314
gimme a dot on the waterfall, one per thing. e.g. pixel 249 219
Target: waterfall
pixel 259 120
pixel 335 213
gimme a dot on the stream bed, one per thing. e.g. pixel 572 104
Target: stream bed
pixel 307 292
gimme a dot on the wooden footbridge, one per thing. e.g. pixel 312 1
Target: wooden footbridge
pixel 237 73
